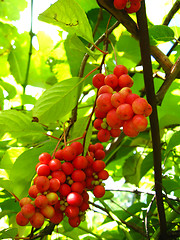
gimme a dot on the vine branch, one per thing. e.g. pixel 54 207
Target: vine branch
pixel 172 12
pixel 150 92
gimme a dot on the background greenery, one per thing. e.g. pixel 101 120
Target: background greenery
pixel 42 86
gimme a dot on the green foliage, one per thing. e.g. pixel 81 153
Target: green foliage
pixel 40 101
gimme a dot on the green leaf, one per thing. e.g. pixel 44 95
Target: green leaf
pixel 160 33
pixel 23 169
pixel 10 89
pixel 69 16
pixel 1 99
pixel 174 141
pixel 147 164
pixel 170 185
pixel 58 101
pixel 8 233
pixel 20 125
pixel 76 44
pixel 88 4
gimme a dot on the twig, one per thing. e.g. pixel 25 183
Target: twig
pixel 167 83
pixel 150 92
pixel 172 12
pixel 30 51
pixel 146 217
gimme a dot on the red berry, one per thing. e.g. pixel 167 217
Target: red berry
pixel 24 201
pixel 99 191
pixel 45 158
pixel 99 154
pixel 78 176
pixel 57 218
pixel 28 210
pixel 113 119
pixel 41 201
pixel 54 185
pixel 60 175
pixel 69 153
pixel 98 146
pixel 64 189
pixel 74 199
pixel 125 111
pixel 125 91
pixel 59 154
pixel 74 222
pixel 42 183
pixel 103 135
pixel 98 165
pixel 115 132
pixel 98 80
pixel 139 105
pixel 131 97
pixel 111 80
pixel 72 211
pixel 140 122
pixel 43 170
pixel 84 206
pixel 48 211
pixel 85 196
pixel 117 99
pixel 54 164
pixel 103 102
pixel 77 187
pixel 99 113
pixel 129 130
pixel 97 123
pixel 125 81
pixel 52 198
pixel 33 191
pixel 148 110
pixel 89 183
pixel 67 168
pixel 120 69
pixel 105 89
pixel 80 162
pixel 134 6
pixel 21 220
pixel 37 220
pixel 103 174
pixel 78 147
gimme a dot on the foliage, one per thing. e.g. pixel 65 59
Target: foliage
pixel 38 100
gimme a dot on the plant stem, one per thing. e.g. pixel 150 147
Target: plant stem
pixel 30 51
pixel 150 92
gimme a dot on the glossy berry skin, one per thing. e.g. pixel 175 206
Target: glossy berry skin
pixel 98 165
pixel 120 4
pixel 42 183
pixel 103 174
pixel 115 132
pixel 21 220
pixel 125 91
pixel 113 119
pixel 97 123
pixel 133 7
pixel 99 113
pixel 78 147
pixel 41 201
pixel 59 154
pixel 77 187
pixel 57 218
pixel 48 211
pixel 28 210
pixel 72 211
pixel 98 80
pixel 125 81
pixel 130 98
pixel 74 222
pixel 111 80
pixel 60 175
pixel 125 111
pixel 74 199
pixel 24 201
pixel 140 122
pixel 129 130
pixel 103 102
pixel 67 168
pixel 64 189
pixel 80 162
pixel 54 165
pixel 139 106
pixel 43 170
pixel 52 198
pixel 99 154
pixel 69 153
pixel 148 110
pixel 45 158
pixel 54 185
pixel 103 135
pixel 99 191
pixel 120 69
pixel 33 191
pixel 117 99
pixel 37 220
pixel 78 175
pixel 105 89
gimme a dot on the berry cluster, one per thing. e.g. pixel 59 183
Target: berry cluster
pixel 117 107
pixel 130 6
pixel 60 187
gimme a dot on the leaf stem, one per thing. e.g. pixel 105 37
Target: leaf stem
pixel 150 92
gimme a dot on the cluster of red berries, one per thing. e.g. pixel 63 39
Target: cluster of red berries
pixel 130 6
pixel 117 107
pixel 60 187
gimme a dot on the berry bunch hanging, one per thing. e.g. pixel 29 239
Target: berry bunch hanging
pixel 130 6
pixel 60 188
pixel 117 107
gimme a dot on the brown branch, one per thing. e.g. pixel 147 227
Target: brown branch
pixel 150 92
pixel 172 12
pixel 167 83
pixel 131 27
